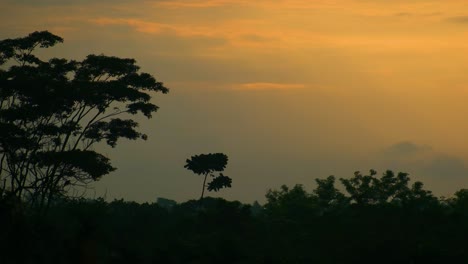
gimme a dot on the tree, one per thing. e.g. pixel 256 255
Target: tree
pixel 363 188
pixel 207 164
pixel 53 112
pixel 390 188
pixel 294 202
pixel 327 194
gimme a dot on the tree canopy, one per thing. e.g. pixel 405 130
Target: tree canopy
pixel 52 112
pixel 359 191
pixel 207 164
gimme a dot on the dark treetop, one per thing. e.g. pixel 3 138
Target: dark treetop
pixel 52 113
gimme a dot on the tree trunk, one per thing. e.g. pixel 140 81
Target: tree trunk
pixel 203 187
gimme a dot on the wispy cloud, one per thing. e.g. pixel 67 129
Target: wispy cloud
pixel 157 28
pixel 289 4
pixel 458 19
pixel 198 3
pixel 268 86
pixel 403 14
pixel 139 25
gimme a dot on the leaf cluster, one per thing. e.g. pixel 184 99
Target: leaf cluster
pixel 207 163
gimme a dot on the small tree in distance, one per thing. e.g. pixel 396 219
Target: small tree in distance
pixel 207 164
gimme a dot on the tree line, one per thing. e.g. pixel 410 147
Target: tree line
pixel 375 219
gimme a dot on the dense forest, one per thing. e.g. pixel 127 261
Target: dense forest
pixel 373 220
pixel 53 112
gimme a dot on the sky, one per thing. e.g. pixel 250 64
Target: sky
pixel 290 90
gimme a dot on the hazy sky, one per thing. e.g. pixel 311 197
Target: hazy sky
pixel 290 90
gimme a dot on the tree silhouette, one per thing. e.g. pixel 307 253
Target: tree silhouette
pixel 369 189
pixel 207 164
pixel 327 194
pixel 53 112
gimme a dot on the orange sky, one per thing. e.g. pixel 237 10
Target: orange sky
pixel 291 90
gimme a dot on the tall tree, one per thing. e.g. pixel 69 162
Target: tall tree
pixel 207 164
pixel 53 112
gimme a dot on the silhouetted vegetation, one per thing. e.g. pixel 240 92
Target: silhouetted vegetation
pixel 371 220
pixel 207 164
pixel 53 112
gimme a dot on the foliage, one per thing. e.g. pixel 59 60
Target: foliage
pixel 207 164
pixel 326 194
pixel 325 225
pixel 53 112
pixel 361 190
pixel 219 182
pixel 368 189
pixel 289 202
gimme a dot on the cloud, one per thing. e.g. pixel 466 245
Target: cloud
pixel 141 26
pixel 255 38
pixel 155 27
pixel 405 148
pixel 233 33
pixel 198 4
pixel 441 172
pixel 403 14
pixel 419 15
pixel 446 166
pixel 268 86
pixel 181 30
pixel 264 4
pixel 458 19
pixel 68 2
